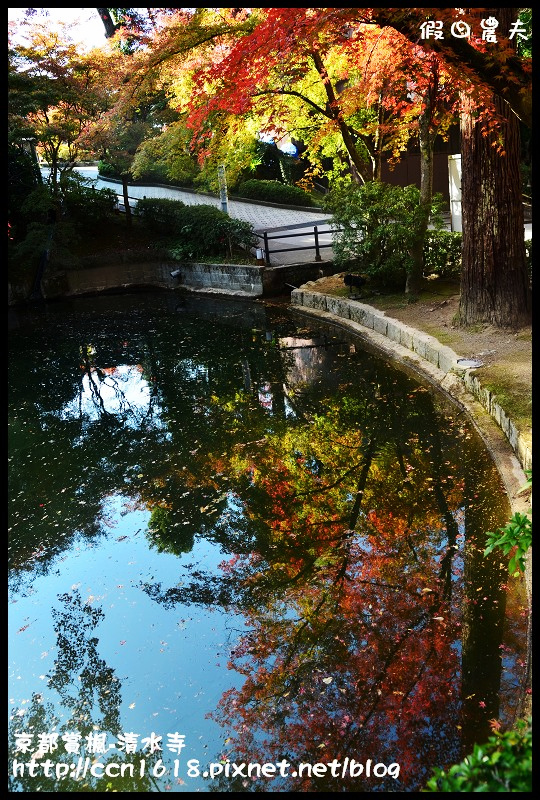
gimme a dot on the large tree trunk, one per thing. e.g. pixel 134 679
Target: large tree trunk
pixel 494 280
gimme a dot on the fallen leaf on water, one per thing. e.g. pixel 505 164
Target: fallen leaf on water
pixel 131 705
pixel 327 680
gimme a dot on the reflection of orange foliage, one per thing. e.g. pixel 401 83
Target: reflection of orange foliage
pixel 368 643
pixel 358 658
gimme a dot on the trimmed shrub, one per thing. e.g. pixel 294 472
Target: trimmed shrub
pixel 274 192
pixel 160 215
pixel 87 205
pixel 192 232
pixel 107 170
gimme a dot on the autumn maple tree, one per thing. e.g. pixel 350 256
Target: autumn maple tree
pixel 353 85
pixel 495 285
pixel 55 93
pixel 277 60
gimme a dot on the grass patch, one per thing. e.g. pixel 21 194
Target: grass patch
pixel 515 398
pixel 445 337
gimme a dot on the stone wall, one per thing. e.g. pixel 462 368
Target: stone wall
pixel 244 280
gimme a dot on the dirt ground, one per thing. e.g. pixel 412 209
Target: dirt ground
pixel 506 355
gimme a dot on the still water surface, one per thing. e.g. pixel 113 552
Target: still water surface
pixel 236 536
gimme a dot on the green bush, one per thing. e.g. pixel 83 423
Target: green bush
pixel 107 170
pixel 274 192
pixel 24 256
pixel 442 253
pixel 504 764
pixel 159 174
pixel 515 537
pixel 160 215
pixel 376 226
pixel 74 208
pixel 199 231
pixel 87 205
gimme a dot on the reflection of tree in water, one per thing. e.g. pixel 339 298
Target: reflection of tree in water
pixel 82 679
pixel 101 386
pixel 352 644
pixel 89 702
pixel 341 507
pixel 64 460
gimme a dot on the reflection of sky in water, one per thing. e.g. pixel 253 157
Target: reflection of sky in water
pixel 169 661
pixel 305 359
pixel 191 369
pixel 120 390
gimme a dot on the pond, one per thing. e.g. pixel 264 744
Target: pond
pixel 245 554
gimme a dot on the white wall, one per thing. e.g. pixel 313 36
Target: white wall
pixel 454 179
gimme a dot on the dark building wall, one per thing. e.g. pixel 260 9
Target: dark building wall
pixel 407 172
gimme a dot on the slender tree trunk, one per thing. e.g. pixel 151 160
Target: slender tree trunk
pixel 379 139
pixel 494 280
pixel 370 452
pixel 126 200
pixel 110 27
pixel 358 167
pixel 416 273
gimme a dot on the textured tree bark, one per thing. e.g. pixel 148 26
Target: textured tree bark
pixel 494 279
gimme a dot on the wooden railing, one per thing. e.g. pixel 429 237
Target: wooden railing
pixel 317 245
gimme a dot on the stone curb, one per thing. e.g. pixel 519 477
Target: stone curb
pixel 424 346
